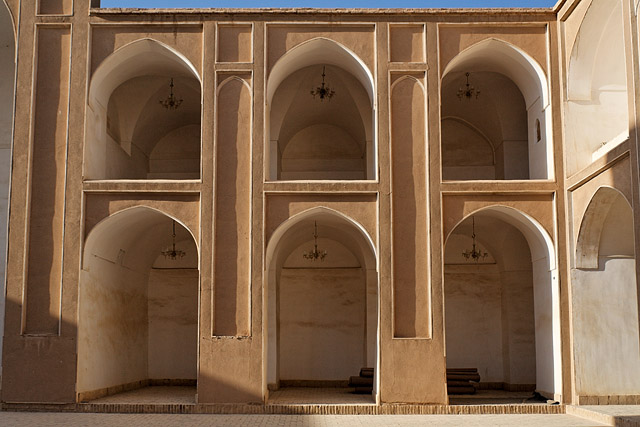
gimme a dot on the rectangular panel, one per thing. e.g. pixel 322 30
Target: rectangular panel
pixel 235 43
pixel 409 209
pixel 55 7
pixel 406 43
pixel 232 236
pixel 48 171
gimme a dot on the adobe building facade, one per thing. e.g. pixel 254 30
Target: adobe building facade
pixel 492 230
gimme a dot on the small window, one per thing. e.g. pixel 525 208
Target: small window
pixel 538 133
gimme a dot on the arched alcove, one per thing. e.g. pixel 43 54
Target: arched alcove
pixel 513 99
pixel 321 315
pixel 130 133
pixel 502 312
pixel 596 110
pixel 137 307
pixel 7 102
pixel 604 299
pixel 320 139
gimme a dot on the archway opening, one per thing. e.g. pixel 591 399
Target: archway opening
pixel 597 109
pixel 501 311
pixel 134 130
pixel 320 138
pixel 502 132
pixel 604 300
pixel 321 314
pixel 138 307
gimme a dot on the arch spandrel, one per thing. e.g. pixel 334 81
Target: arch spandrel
pixel 107 40
pixel 361 209
pixel 360 40
pixel 184 209
pixel 496 55
pixel 135 59
pixel 454 40
pixel 534 212
pixel 320 50
pixel 337 226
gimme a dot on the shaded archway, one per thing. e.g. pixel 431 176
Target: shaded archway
pixel 604 299
pixel 314 139
pixel 7 102
pixel 505 118
pixel 137 309
pixel 597 109
pixel 503 312
pixel 321 316
pixel 130 135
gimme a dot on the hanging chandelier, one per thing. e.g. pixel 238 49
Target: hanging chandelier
pixel 171 103
pixel 172 253
pixel 468 91
pixel 474 254
pixel 323 91
pixel 315 253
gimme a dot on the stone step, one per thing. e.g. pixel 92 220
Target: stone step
pixel 463 377
pixel 366 372
pixel 461 389
pixel 360 382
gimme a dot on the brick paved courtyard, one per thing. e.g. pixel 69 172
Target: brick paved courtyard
pixel 99 420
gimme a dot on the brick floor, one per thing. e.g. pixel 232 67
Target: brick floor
pixel 101 420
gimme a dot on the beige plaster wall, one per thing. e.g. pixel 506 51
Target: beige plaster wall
pixel 473 316
pixel 606 346
pixel 235 43
pixel 113 332
pixel 55 7
pixel 173 322
pixel 322 323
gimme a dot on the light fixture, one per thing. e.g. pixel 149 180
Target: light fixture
pixel 474 254
pixel 323 91
pixel 468 91
pixel 315 253
pixel 173 253
pixel 171 103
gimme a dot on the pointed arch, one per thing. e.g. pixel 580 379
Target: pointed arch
pixel 120 225
pixel 592 224
pixel 320 51
pixel 502 57
pixel 124 122
pixel 135 59
pixel 546 294
pixel 335 218
pixel 498 56
pixel 540 242
pixel 229 80
pixel 288 236
pixel 137 311
pixel 393 85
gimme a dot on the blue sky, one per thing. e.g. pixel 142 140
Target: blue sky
pixel 327 3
